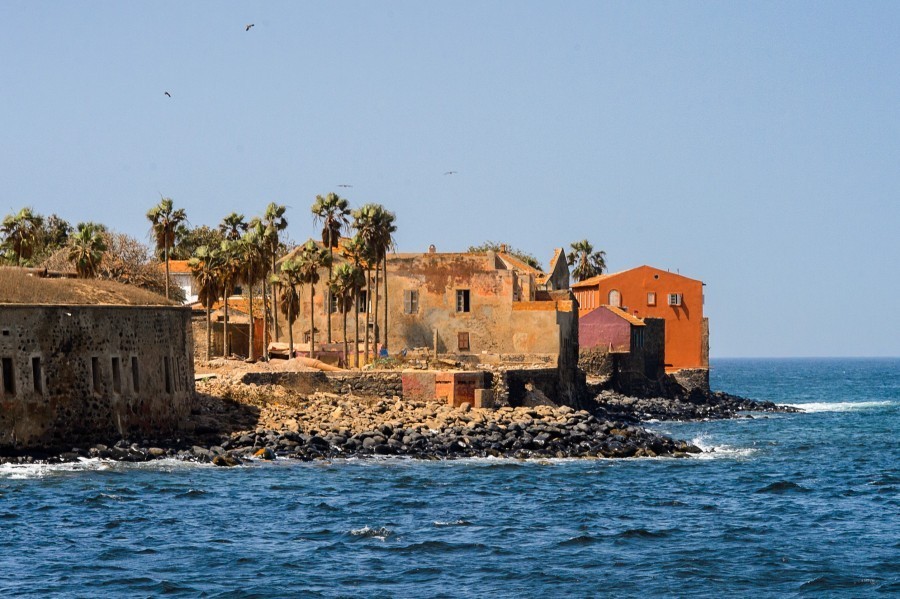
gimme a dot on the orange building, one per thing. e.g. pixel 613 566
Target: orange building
pixel 650 292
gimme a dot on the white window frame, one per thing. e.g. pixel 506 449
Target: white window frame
pixel 651 298
pixel 675 299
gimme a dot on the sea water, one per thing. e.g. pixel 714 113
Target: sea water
pixel 779 505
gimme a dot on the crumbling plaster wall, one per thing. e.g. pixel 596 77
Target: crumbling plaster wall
pixel 93 372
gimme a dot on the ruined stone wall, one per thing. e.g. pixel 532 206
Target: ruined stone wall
pixel 692 378
pixel 74 373
pixel 364 384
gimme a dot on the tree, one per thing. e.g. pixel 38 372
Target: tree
pixel 254 270
pixel 205 268
pixel 585 261
pixel 21 234
pixel 233 226
pixel 274 223
pixel 375 226
pixel 230 269
pixel 347 280
pixel 332 212
pixel 164 220
pixel 311 259
pixel 86 248
pixel 287 280
pixel 492 246
pixel 355 251
pixel 188 239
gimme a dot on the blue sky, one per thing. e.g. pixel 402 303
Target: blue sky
pixel 751 145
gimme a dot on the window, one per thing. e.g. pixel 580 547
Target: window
pixel 411 301
pixel 462 300
pixel 651 298
pixel 637 338
pixel 9 377
pixel 333 302
pixel 117 375
pixel 615 298
pixel 95 374
pixel 674 299
pixel 167 373
pixel 36 375
pixel 463 341
pixel 363 300
pixel 135 377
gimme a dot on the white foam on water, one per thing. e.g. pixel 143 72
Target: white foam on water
pixel 42 470
pixel 840 406
pixel 712 451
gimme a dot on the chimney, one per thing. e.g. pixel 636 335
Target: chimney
pixel 432 249
pixel 503 248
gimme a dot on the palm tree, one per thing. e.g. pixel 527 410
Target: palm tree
pixel 230 269
pixel 347 279
pixel 254 270
pixel 375 226
pixel 587 263
pixel 205 268
pixel 332 211
pixel 164 220
pixel 274 223
pixel 232 226
pixel 312 258
pixel 86 247
pixel 21 232
pixel 288 279
pixel 360 253
pixel 258 231
pixel 355 251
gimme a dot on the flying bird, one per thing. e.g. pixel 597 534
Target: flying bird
pixel 451 172
pixel 344 185
pixel 168 94
pixel 247 28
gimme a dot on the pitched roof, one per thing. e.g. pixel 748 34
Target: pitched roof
pixel 599 278
pixel 177 266
pixel 518 264
pixel 623 314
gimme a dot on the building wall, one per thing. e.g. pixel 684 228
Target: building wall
pixel 93 373
pixel 686 343
pixel 495 323
pixel 604 330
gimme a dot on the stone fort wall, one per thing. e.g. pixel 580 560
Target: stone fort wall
pixel 92 373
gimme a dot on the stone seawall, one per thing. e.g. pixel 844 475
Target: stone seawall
pixel 363 384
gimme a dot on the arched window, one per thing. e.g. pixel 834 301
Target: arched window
pixel 615 298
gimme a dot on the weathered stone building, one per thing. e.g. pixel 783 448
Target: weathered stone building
pixel 90 361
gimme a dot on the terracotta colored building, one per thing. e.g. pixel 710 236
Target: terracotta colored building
pixel 474 303
pixel 651 292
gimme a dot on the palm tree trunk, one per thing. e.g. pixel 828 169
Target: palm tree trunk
pixel 208 334
pixel 328 289
pixel 385 341
pixel 225 326
pixel 265 320
pixel 375 314
pixel 344 315
pixel 250 350
pixel 312 321
pixel 290 330
pixel 356 325
pixel 275 298
pixel 166 250
pixel 368 301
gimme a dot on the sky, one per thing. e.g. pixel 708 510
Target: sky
pixel 752 145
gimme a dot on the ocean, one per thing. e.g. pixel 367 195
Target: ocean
pixel 781 505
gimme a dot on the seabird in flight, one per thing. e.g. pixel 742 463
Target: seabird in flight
pixel 451 172
pixel 168 94
pixel 247 28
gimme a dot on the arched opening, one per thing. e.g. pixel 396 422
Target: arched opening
pixel 615 298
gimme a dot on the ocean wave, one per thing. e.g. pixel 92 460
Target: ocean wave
pixel 452 523
pixel 840 406
pixel 710 451
pixel 42 469
pixel 372 533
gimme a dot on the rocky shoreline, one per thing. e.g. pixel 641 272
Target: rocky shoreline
pixel 233 422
